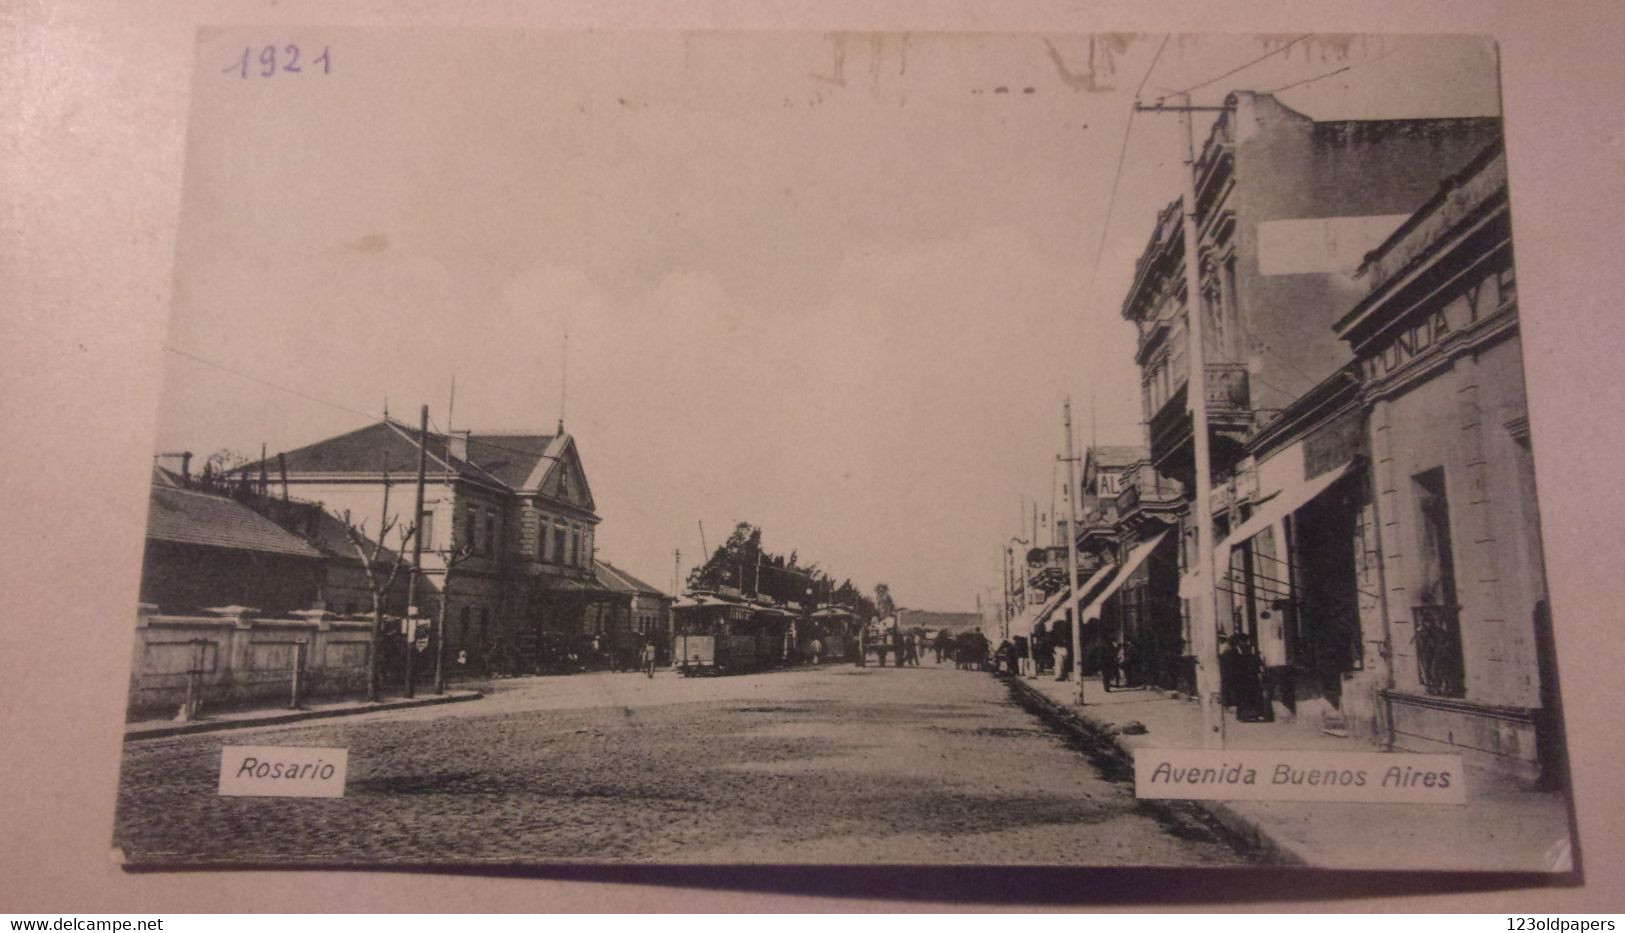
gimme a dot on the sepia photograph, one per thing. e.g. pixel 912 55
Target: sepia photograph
pixel 769 448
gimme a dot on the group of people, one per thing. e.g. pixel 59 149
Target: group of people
pixel 1120 665
pixel 904 647
pixel 968 650
pixel 1241 679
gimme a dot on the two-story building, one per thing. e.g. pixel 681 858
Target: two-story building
pixel 511 514
pixel 1461 580
pixel 1285 209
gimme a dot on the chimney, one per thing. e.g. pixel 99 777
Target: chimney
pixel 457 444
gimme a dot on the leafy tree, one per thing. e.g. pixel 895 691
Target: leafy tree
pixel 742 562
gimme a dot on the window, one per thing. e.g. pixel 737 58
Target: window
pixel 1437 565
pixel 426 527
pixel 573 556
pixel 543 539
pixel 490 531
pixel 558 542
pixel 472 540
pixel 1440 664
pixel 464 623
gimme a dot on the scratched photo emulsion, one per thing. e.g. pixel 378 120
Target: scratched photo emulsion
pixel 725 448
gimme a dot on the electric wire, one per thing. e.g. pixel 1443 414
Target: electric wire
pixel 1242 67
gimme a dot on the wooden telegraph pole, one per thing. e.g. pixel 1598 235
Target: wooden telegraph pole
pixel 1204 623
pixel 415 582
pixel 1073 600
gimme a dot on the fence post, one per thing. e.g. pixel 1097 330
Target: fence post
pixel 194 681
pixel 297 696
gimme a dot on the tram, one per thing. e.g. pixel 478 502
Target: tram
pixel 718 633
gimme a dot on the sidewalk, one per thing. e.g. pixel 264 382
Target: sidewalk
pixel 1501 828
pixel 243 719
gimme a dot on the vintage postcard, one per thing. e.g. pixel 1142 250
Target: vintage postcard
pixel 765 448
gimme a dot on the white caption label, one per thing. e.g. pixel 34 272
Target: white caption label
pixel 282 771
pixel 1358 777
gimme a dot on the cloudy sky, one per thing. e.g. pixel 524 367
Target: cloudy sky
pixel 834 285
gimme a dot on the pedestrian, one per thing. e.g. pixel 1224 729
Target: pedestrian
pixel 1063 662
pixel 817 651
pixel 1250 704
pixel 649 658
pixel 1109 655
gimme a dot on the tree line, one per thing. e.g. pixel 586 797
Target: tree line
pixel 742 563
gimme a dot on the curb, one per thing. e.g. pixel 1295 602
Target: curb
pixel 1250 830
pixel 207 725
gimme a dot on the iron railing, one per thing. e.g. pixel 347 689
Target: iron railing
pixel 1439 661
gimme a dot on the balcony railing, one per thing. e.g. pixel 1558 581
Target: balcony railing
pixel 1228 408
pixel 1439 661
pixel 1146 486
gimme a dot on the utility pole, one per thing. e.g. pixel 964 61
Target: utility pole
pixel 1006 615
pixel 1074 602
pixel 676 570
pixel 1204 623
pixel 415 582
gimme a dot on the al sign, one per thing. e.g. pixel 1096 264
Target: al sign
pixel 1108 485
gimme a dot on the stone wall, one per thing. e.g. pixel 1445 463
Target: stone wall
pixel 230 657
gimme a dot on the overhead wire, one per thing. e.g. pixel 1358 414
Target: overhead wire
pixel 1242 67
pixel 1338 71
pixel 322 401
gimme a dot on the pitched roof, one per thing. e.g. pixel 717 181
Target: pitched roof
pixel 186 517
pixel 614 578
pixel 332 538
pixel 925 618
pixel 501 460
pixel 511 458
pixel 162 476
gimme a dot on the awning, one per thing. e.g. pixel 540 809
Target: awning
pixel 1136 557
pixel 1034 614
pixel 1279 506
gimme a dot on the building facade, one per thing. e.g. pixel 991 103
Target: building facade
pixel 507 530
pixel 641 614
pixel 1285 208
pixel 1462 583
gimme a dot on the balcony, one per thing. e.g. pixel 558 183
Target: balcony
pixel 1229 417
pixel 1046 568
pixel 1149 496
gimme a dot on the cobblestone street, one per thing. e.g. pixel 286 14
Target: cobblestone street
pixel 835 765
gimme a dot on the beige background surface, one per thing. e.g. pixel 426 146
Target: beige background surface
pixel 95 99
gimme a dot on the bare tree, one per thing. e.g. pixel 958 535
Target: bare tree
pixel 451 557
pixel 377 583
